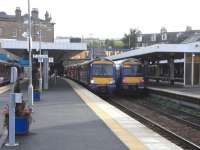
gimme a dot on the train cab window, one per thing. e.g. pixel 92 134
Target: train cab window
pixel 102 70
pixel 134 70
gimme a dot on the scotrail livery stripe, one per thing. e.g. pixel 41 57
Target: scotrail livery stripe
pixel 102 62
pixel 132 80
pixel 102 80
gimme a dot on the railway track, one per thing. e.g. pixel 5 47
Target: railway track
pixel 176 115
pixel 172 136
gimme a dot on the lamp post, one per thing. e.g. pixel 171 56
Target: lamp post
pixel 30 87
pixel 40 39
pixel 92 47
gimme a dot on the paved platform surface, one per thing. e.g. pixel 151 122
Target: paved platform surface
pixel 64 122
pixel 177 89
pixel 193 92
pixel 134 134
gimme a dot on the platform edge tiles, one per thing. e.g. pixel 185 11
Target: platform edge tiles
pixel 130 141
pixel 4 89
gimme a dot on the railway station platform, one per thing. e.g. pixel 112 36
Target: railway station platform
pixel 71 117
pixel 186 94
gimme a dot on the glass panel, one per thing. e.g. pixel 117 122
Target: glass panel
pixel 188 69
pixel 196 74
pixel 196 69
pixel 102 70
pixel 134 70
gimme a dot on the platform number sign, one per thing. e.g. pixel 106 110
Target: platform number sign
pixel 51 59
pixel 13 76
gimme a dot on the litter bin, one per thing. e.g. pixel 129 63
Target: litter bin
pixel 36 96
pixel 21 125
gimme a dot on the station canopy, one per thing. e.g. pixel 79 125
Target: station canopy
pixel 62 46
pixel 161 50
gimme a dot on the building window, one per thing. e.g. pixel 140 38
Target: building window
pixel 178 34
pixel 14 34
pixel 153 37
pixel 164 36
pixel 139 38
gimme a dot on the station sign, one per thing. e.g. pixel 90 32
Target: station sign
pixel 51 59
pixel 40 56
pixel 40 60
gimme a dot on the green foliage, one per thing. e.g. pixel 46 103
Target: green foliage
pixel 117 44
pixel 114 43
pixel 108 43
pixel 95 44
pixel 130 39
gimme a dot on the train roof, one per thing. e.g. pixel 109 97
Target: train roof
pixel 98 59
pixel 90 61
pixel 129 60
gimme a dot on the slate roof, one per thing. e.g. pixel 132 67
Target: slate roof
pixel 172 37
pixel 5 17
pixel 192 38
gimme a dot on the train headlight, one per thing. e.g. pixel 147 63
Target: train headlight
pixel 141 81
pixel 92 81
pixel 112 82
pixel 125 81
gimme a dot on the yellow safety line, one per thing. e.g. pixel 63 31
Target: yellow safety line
pixel 129 140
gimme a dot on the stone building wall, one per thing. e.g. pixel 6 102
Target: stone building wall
pixel 15 26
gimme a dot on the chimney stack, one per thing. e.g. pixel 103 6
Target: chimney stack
pixel 35 13
pixel 18 13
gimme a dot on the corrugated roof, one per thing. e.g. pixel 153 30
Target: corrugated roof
pixel 159 48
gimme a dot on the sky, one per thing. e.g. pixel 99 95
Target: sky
pixel 112 18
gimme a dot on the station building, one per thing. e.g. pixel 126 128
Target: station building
pixel 15 26
pixel 166 37
pixel 13 36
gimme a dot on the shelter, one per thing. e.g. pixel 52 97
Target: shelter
pixel 155 55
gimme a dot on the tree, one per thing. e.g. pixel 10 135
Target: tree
pixel 117 44
pixel 114 43
pixel 108 43
pixel 130 39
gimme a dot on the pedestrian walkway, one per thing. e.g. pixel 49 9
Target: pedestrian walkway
pixel 62 121
pixel 133 133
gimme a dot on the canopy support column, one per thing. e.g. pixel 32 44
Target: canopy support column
pixel 171 70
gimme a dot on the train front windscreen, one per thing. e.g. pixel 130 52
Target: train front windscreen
pixel 133 70
pixel 102 70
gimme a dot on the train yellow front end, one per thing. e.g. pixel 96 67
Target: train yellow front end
pixel 102 76
pixel 130 75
